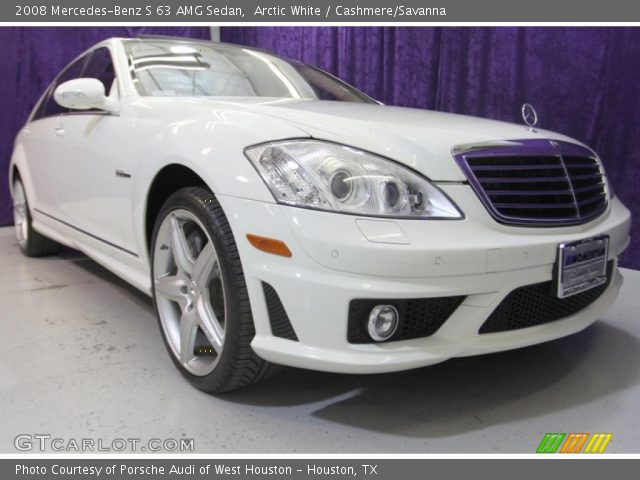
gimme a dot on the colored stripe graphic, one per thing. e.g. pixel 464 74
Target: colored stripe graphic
pixel 569 443
pixel 573 442
pixel 598 443
pixel 581 442
pixel 550 442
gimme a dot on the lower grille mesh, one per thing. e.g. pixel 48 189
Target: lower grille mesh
pixel 537 304
pixel 419 317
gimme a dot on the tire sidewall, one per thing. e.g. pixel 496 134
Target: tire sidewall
pixel 26 248
pixel 196 201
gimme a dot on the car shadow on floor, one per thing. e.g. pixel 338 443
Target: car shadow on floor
pixel 457 396
pixel 464 394
pixel 84 262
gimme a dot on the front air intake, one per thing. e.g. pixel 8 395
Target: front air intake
pixel 418 317
pixel 280 324
pixel 536 304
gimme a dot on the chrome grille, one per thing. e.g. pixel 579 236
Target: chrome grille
pixel 536 182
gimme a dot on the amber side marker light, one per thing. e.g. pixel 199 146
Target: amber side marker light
pixel 269 245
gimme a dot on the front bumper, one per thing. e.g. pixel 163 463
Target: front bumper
pixel 337 258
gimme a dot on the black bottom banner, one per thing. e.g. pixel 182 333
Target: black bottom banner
pixel 379 469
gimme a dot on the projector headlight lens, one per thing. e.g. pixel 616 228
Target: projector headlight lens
pixel 328 176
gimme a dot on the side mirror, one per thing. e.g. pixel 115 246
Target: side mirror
pixel 84 94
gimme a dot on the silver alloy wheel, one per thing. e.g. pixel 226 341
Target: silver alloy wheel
pixel 20 219
pixel 189 292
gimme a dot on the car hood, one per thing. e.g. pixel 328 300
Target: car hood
pixel 420 139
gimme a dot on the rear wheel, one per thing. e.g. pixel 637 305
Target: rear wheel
pixel 30 242
pixel 200 294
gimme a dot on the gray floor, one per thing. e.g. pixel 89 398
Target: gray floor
pixel 81 356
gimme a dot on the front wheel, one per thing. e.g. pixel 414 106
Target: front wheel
pixel 200 294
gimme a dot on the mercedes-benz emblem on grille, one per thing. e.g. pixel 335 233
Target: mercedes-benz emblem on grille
pixel 529 116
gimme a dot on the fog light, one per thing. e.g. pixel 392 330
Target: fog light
pixel 383 322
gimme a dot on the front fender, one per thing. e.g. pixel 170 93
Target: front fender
pixel 213 149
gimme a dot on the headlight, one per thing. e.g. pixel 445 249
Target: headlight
pixel 327 176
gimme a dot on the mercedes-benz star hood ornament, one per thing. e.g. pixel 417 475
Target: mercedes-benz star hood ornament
pixel 529 116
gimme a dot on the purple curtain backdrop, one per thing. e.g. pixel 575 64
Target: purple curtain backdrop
pixel 32 57
pixel 584 82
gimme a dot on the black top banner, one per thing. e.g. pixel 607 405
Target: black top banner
pixel 318 11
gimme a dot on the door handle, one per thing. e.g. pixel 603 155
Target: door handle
pixel 59 131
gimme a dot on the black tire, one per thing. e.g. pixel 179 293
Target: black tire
pixel 238 365
pixel 35 244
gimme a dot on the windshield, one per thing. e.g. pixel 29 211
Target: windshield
pixel 169 68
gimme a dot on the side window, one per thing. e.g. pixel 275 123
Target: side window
pixel 48 106
pixel 100 66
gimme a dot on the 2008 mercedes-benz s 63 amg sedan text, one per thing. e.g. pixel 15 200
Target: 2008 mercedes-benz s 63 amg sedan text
pixel 278 216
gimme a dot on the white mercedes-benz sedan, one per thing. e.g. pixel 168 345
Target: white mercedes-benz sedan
pixel 278 216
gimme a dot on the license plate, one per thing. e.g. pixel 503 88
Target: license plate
pixel 582 265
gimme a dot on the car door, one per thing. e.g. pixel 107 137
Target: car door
pixel 40 141
pixel 93 192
